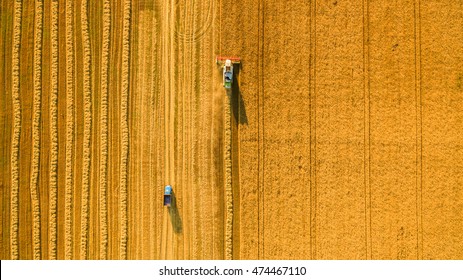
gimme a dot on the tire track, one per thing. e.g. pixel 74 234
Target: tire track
pixel 419 130
pixel 261 153
pixel 14 204
pixel 153 198
pixel 168 119
pixel 313 132
pixel 171 254
pixel 103 171
pixel 69 130
pixel 366 69
pixel 139 130
pixel 162 126
pixel 124 126
pixel 36 139
pixel 190 46
pixel 193 119
pixel 185 87
pixel 53 176
pixel 155 213
pixel 87 132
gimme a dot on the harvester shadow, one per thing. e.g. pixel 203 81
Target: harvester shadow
pixel 237 102
pixel 175 218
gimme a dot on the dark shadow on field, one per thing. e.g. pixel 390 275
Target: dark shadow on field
pixel 175 218
pixel 237 102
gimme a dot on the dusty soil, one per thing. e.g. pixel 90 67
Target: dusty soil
pixel 341 138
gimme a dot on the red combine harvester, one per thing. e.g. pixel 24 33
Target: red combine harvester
pixel 226 62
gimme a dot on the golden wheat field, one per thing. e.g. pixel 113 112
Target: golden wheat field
pixel 341 138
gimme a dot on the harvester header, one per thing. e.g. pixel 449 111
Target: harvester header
pixel 221 59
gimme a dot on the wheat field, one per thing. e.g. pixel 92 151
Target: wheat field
pixel 341 137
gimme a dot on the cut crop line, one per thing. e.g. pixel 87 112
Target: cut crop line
pixel 124 126
pixel 14 203
pixel 313 132
pixel 419 132
pixel 87 132
pixel 366 72
pixel 69 130
pixel 228 181
pixel 103 213
pixel 37 112
pixel 52 244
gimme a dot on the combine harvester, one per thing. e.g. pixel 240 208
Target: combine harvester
pixel 226 62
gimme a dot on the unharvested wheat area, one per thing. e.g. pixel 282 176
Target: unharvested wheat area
pixel 341 137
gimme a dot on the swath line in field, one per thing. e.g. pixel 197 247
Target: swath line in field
pixel 37 112
pixel 366 73
pixel 124 126
pixel 68 223
pixel 14 204
pixel 419 129
pixel 87 132
pixel 228 180
pixel 53 179
pixel 103 171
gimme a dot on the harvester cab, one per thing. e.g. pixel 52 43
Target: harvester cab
pixel 168 195
pixel 226 62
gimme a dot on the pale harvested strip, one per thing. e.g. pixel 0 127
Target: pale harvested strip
pixel 52 224
pixel 37 111
pixel 14 219
pixel 124 126
pixel 228 181
pixel 87 132
pixel 103 216
pixel 68 224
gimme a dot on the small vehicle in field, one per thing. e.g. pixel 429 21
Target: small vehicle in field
pixel 168 195
pixel 226 62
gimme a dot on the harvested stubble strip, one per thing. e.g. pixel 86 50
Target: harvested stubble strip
pixel 228 183
pixel 104 130
pixel 69 129
pixel 124 126
pixel 53 132
pixel 37 111
pixel 87 131
pixel 14 206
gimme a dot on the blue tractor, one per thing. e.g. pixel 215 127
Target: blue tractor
pixel 168 195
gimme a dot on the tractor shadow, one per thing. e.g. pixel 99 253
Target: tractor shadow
pixel 236 99
pixel 175 218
